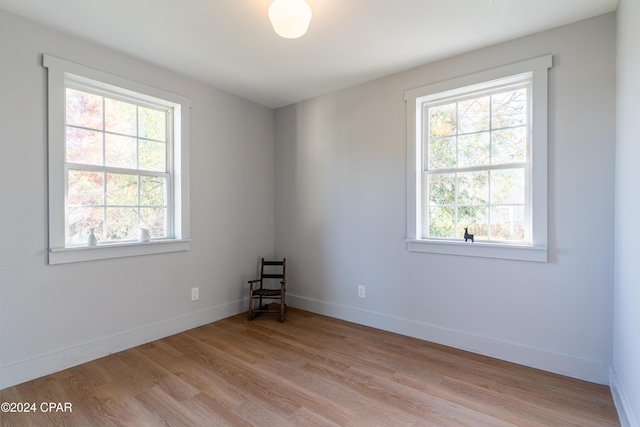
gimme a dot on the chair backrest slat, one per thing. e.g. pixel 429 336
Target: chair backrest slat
pixel 271 274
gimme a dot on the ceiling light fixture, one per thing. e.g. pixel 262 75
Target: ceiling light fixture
pixel 290 18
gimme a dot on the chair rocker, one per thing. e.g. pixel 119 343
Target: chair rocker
pixel 265 288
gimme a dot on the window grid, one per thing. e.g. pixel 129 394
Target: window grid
pixel 490 167
pixel 105 170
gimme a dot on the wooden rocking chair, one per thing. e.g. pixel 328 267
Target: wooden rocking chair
pixel 275 271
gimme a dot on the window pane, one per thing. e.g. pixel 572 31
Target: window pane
pixel 509 108
pixel 83 109
pixel 507 186
pixel 474 218
pixel 441 221
pixel 473 188
pixel 509 146
pixel 85 188
pixel 442 120
pixel 120 151
pixel 122 190
pixel 83 146
pixel 153 191
pixel 80 219
pixel 119 117
pixel 507 223
pixel 122 224
pixel 154 219
pixel 473 115
pixel 442 189
pixel 153 156
pixel 442 153
pixel 153 124
pixel 473 149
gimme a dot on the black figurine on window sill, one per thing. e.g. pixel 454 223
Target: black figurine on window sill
pixel 467 235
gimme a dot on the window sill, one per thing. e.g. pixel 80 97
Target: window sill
pixel 483 250
pixel 119 250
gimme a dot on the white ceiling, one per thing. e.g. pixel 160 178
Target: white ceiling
pixel 230 44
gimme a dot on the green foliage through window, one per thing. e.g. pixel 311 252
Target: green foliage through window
pixel 476 165
pixel 116 155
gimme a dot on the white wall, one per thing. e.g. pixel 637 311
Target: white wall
pixel 626 349
pixel 52 317
pixel 340 194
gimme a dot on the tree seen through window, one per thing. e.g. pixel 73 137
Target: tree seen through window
pixel 116 155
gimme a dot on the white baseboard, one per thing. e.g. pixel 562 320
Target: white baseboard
pixel 36 367
pixel 621 401
pixel 589 370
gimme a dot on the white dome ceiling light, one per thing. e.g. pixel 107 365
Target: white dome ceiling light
pixel 290 18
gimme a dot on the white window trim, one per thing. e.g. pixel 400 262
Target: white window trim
pixel 58 71
pixel 537 250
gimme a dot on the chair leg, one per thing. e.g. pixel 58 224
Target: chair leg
pixel 282 307
pixel 251 315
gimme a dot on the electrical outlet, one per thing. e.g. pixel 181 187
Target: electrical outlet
pixel 360 291
pixel 195 294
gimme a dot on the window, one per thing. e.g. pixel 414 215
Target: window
pixel 118 157
pixel 477 149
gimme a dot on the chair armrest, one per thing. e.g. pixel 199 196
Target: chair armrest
pixel 253 281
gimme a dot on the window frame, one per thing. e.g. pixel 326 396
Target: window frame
pixel 59 73
pixel 537 69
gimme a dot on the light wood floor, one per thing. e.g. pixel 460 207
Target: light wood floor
pixel 310 370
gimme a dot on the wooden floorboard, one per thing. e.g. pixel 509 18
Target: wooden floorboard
pixel 310 370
